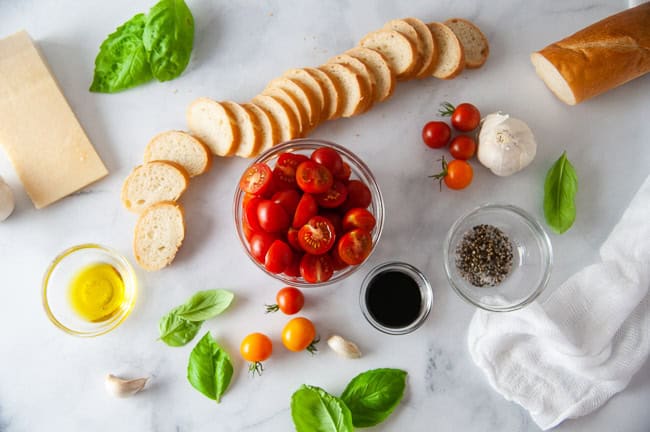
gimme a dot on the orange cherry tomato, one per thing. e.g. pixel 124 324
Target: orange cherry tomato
pixel 255 348
pixel 299 334
pixel 456 174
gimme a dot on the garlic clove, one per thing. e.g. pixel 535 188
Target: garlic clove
pixel 343 347
pixel 122 388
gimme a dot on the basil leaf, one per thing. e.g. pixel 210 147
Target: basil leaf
pixel 176 331
pixel 122 60
pixel 560 189
pixel 209 369
pixel 373 395
pixel 315 410
pixel 206 304
pixel 168 38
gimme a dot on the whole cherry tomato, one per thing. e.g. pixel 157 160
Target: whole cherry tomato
pixel 456 174
pixel 436 134
pixel 289 300
pixel 329 158
pixel 358 195
pixel 299 334
pixel 271 216
pixel 462 147
pixel 255 348
pixel 464 117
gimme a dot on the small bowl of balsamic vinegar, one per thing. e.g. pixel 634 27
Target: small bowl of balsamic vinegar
pixel 396 298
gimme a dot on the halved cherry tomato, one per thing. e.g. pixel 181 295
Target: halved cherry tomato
pixel 355 246
pixel 436 134
pixel 316 236
pixel 358 218
pixel 278 257
pixel 329 158
pixel 272 217
pixel 256 179
pixel 292 239
pixel 288 199
pixel 293 269
pixel 313 177
pixel 462 147
pixel 358 195
pixel 337 262
pixel 289 300
pixel 316 268
pixel 284 173
pixel 248 231
pixel 246 199
pixel 250 213
pixel 307 208
pixel 334 197
pixel 344 174
pixel 260 243
pixel 335 219
pixel 299 334
pixel 255 348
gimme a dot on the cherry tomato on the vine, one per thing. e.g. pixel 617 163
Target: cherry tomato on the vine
pixel 436 134
pixel 289 300
pixel 255 348
pixel 462 147
pixel 299 334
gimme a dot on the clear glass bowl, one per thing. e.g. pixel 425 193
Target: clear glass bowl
pixel 531 263
pixel 359 171
pixel 56 289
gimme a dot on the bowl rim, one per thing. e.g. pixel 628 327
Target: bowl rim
pixel 310 143
pixel 541 235
pixel 130 280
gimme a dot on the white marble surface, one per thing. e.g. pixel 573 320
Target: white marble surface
pixel 50 381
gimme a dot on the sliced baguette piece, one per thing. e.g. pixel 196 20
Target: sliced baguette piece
pixel 294 105
pixel 384 77
pixel 268 130
pixel 333 90
pixel 213 124
pixel 368 83
pixel 403 27
pixel 352 96
pixel 429 52
pixel 315 86
pixel 281 114
pixel 181 148
pixel 159 233
pixel 451 56
pixel 303 96
pixel 475 44
pixel 153 182
pixel 249 141
pixel 396 48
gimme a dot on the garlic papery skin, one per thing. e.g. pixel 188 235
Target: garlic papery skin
pixel 122 388
pixel 7 203
pixel 505 144
pixel 343 347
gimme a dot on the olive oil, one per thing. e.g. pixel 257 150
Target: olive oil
pixel 96 292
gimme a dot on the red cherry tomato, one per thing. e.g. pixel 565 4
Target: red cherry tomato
pixel 256 179
pixel 313 178
pixel 293 269
pixel 307 208
pixel 248 231
pixel 464 117
pixel 334 197
pixel 278 257
pixel 462 147
pixel 358 195
pixel 355 246
pixel 284 173
pixel 329 158
pixel 317 236
pixel 288 199
pixel 250 213
pixel 272 217
pixel 288 300
pixel 335 219
pixel 316 268
pixel 344 174
pixel 337 262
pixel 292 239
pixel 358 218
pixel 260 243
pixel 436 134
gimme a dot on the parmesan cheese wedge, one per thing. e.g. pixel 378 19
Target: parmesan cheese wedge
pixel 39 132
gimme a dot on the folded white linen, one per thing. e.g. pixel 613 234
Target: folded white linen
pixel 567 356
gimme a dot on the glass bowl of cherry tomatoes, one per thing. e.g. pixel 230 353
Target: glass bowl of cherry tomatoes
pixel 308 212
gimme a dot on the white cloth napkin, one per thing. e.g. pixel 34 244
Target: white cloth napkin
pixel 566 357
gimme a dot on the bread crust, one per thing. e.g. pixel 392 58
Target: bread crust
pixel 438 29
pixel 603 55
pixel 138 258
pixel 205 150
pixel 220 146
pixel 127 199
pixel 470 61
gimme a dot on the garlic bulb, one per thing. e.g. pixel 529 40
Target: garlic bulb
pixel 6 200
pixel 505 144
pixel 122 388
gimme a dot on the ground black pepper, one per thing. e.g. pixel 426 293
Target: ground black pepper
pixel 484 256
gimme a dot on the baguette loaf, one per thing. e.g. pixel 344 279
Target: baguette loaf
pixel 598 58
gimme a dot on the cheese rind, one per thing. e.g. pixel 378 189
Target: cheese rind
pixel 47 146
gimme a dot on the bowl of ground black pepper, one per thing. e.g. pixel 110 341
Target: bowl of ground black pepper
pixel 498 257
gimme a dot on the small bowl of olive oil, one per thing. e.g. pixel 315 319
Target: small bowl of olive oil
pixel 89 290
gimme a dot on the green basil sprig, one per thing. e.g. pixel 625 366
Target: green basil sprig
pixel 313 409
pixel 209 369
pixel 560 189
pixel 373 395
pixel 366 401
pixel 157 45
pixel 181 324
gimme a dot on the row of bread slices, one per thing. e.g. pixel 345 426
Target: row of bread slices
pixel 349 84
pixel 152 190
